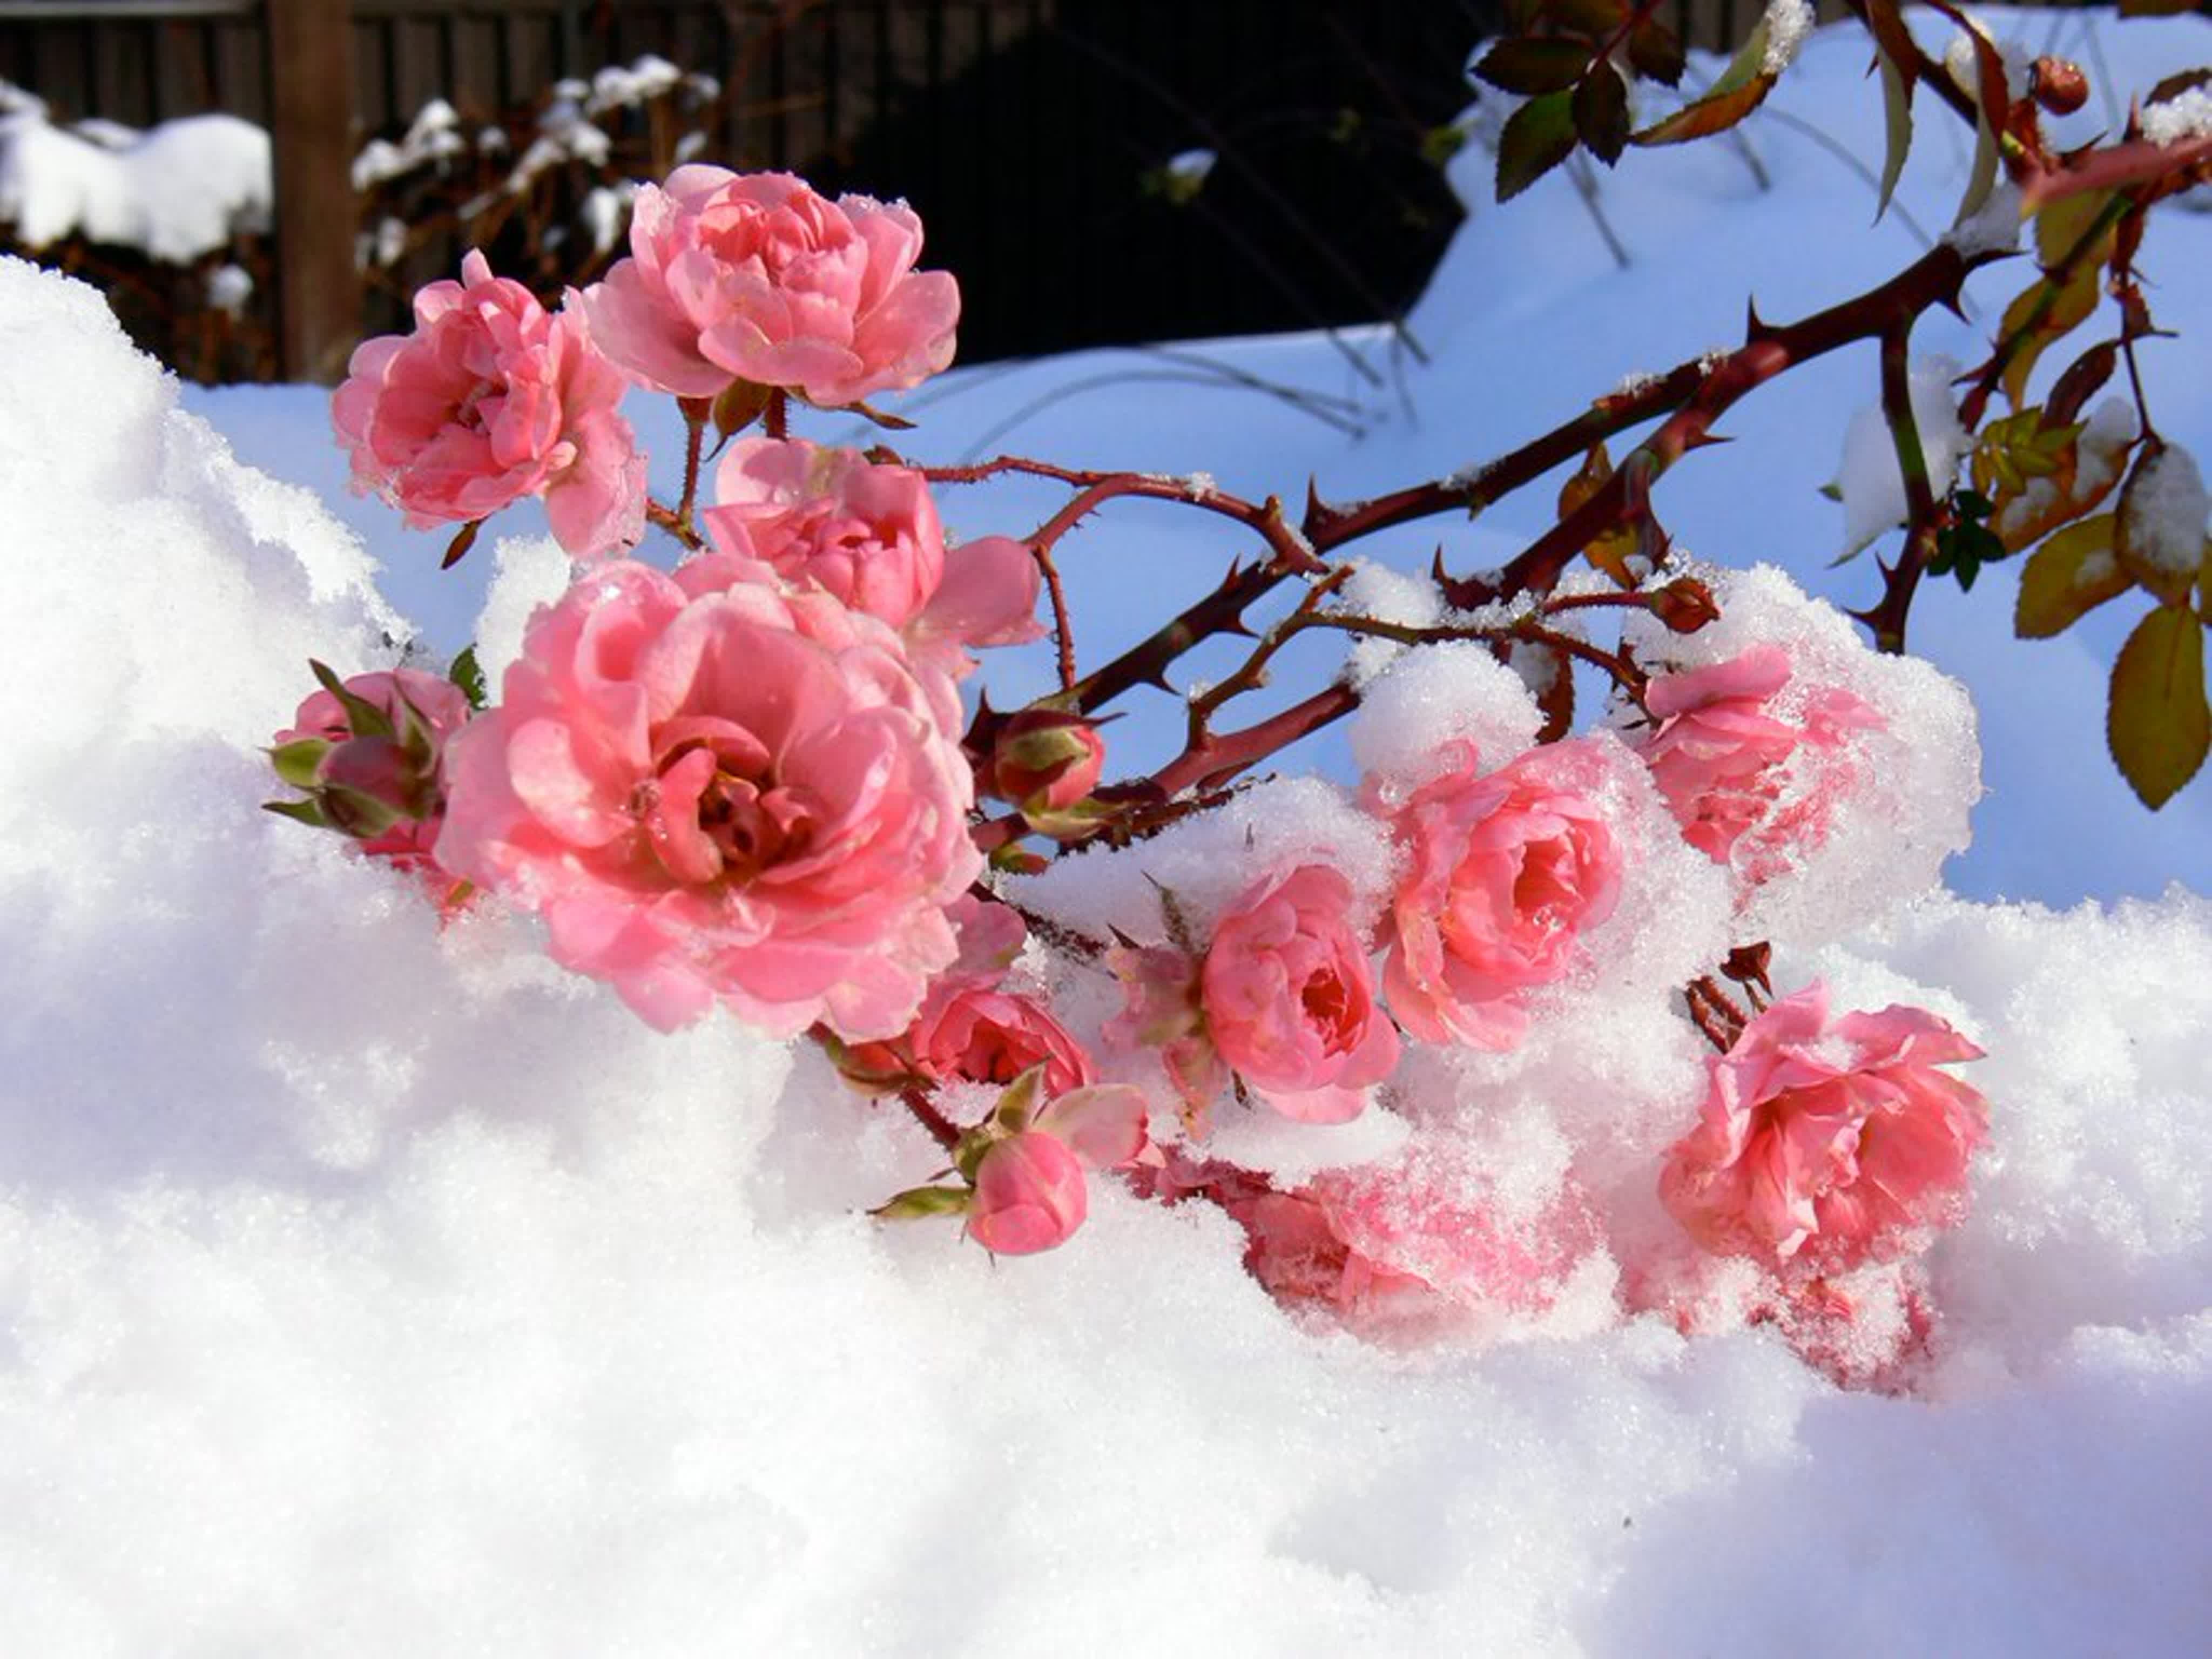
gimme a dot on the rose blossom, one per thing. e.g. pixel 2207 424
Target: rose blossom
pixel 1719 753
pixel 753 277
pixel 384 789
pixel 1030 1193
pixel 971 1031
pixel 1505 871
pixel 868 532
pixel 1823 1146
pixel 714 790
pixel 1288 1001
pixel 490 399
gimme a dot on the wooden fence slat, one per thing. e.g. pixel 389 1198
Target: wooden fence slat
pixel 310 106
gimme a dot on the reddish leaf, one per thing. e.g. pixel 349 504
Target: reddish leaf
pixel 2174 85
pixel 2083 378
pixel 1654 51
pixel 1741 88
pixel 1600 111
pixel 1532 67
pixel 1540 136
pixel 1886 18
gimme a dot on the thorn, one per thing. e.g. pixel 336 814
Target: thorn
pixel 1437 573
pixel 1317 511
pixel 1706 440
pixel 1755 327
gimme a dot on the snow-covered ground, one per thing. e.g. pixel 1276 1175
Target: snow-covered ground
pixel 365 1285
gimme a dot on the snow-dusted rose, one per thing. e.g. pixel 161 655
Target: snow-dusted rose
pixel 1161 1010
pixel 1289 999
pixel 753 277
pixel 717 791
pixel 1718 751
pixel 1419 1243
pixel 492 398
pixel 1047 761
pixel 1030 1193
pixel 1822 1145
pixel 869 533
pixel 386 788
pixel 1504 871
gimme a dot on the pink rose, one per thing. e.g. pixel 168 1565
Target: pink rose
pixel 1820 1145
pixel 491 399
pixel 385 785
pixel 1030 1193
pixel 971 1031
pixel 716 791
pixel 753 277
pixel 869 533
pixel 1505 871
pixel 1720 755
pixel 1288 1001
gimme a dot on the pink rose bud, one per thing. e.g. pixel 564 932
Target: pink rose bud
pixel 1045 760
pixel 1824 1145
pixel 753 277
pixel 369 753
pixel 1029 1196
pixel 1685 604
pixel 491 399
pixel 1290 1001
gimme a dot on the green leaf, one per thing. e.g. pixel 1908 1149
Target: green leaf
pixel 736 406
pixel 1540 136
pixel 1654 51
pixel 1600 104
pixel 1531 67
pixel 1896 127
pixel 365 719
pixel 299 812
pixel 2159 725
pixel 2070 575
pixel 467 673
pixel 300 762
pixel 920 1203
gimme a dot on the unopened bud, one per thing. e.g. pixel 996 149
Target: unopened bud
pixel 2060 86
pixel 1047 760
pixel 1685 604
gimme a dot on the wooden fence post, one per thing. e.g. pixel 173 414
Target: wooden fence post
pixel 311 122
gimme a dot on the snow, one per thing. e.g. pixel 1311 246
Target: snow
pixel 176 191
pixel 2164 508
pixel 369 1286
pixel 2189 116
pixel 1872 486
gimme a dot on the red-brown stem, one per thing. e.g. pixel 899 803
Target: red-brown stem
pixel 941 1129
pixel 676 524
pixel 1220 757
pixel 2114 168
pixel 1933 279
pixel 1922 523
pixel 1470 491
pixel 696 412
pixel 1063 626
